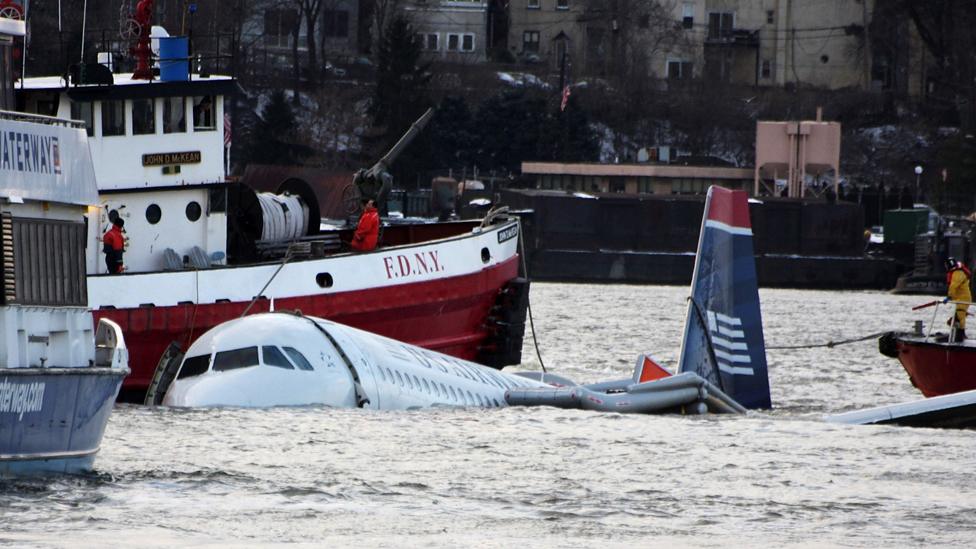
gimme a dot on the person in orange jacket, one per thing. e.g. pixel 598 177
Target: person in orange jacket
pixel 957 279
pixel 368 230
pixel 113 244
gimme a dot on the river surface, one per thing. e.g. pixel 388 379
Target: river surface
pixel 543 477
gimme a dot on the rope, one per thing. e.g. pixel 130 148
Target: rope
pixel 525 269
pixel 829 344
pixel 253 301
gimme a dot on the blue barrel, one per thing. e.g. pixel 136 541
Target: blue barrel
pixel 174 62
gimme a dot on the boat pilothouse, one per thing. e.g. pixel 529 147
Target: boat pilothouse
pixel 59 374
pixel 201 249
pixel 159 157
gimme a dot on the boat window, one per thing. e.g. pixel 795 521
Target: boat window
pixel 153 214
pixel 194 366
pixel 113 118
pixel 426 386
pixel 274 357
pixel 390 375
pixel 203 113
pixel 454 396
pixel 174 115
pixel 143 116
pixel 299 359
pixel 193 211
pixel 399 377
pixel 82 110
pixel 238 358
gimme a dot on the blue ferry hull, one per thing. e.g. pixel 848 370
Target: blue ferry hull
pixel 53 419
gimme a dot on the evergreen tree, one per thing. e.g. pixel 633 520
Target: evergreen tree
pixel 272 139
pixel 400 97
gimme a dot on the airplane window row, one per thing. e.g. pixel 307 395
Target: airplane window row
pixel 394 377
pixel 245 358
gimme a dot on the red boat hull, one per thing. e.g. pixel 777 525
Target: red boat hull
pixel 446 315
pixel 938 368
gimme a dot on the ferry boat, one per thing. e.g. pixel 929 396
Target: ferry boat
pixel 59 375
pixel 202 249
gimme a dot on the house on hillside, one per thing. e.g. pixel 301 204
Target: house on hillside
pixel 450 30
pixel 547 32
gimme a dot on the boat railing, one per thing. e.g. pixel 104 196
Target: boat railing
pixel 935 312
pixel 41 119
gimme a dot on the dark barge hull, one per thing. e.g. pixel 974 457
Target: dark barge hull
pixel 652 239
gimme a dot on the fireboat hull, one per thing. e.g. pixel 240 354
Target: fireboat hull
pixel 935 367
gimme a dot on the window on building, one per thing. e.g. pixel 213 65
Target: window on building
pixel 720 25
pixel 467 42
pixel 335 23
pixel 688 15
pixel 770 16
pixel 680 70
pixel 430 41
pixel 113 117
pixel 174 115
pixel 203 113
pixel 279 26
pixel 766 69
pixel 82 110
pixel 530 41
pixel 453 42
pixel 460 42
pixel 532 4
pixel 562 4
pixel 143 117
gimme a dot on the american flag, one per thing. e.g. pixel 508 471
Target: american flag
pixel 227 131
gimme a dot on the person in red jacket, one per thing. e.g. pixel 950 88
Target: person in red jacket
pixel 368 230
pixel 113 244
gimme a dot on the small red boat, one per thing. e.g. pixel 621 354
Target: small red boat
pixel 935 365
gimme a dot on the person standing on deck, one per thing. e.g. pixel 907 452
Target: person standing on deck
pixel 957 278
pixel 368 230
pixel 113 244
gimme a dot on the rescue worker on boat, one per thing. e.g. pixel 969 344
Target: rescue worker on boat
pixel 957 279
pixel 368 229
pixel 113 244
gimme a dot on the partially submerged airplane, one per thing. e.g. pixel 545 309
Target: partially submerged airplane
pixel 286 359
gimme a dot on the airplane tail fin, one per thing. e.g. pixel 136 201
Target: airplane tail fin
pixel 723 338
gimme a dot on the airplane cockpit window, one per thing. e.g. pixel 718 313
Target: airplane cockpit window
pixel 274 357
pixel 237 358
pixel 194 366
pixel 299 358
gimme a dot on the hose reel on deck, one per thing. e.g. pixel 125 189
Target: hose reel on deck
pixel 262 220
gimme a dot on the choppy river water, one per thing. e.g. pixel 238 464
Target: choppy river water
pixel 542 477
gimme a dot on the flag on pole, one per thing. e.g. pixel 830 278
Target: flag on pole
pixel 227 131
pixel 565 101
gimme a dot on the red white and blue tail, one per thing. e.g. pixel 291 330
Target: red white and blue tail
pixel 723 339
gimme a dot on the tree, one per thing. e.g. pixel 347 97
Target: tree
pixel 272 138
pixel 400 95
pixel 310 11
pixel 945 27
pixel 626 35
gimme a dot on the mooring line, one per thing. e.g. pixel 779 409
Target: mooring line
pixel 829 344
